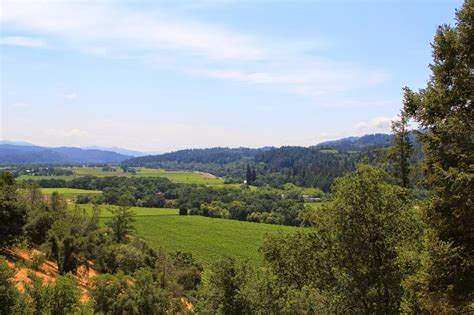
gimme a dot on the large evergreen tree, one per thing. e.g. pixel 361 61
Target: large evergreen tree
pixel 445 109
pixel 248 175
pixel 402 149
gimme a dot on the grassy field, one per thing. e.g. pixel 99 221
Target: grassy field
pixel 186 177
pixel 139 212
pixel 207 239
pixel 69 192
pixel 25 177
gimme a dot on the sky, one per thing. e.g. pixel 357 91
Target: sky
pixel 169 75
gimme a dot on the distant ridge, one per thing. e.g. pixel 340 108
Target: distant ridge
pixel 118 150
pixel 30 154
pixel 357 143
pixel 18 143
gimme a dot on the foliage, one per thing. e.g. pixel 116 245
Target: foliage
pixel 402 149
pixel 12 209
pixel 446 277
pixel 142 294
pixel 220 294
pixel 351 258
pixel 8 293
pixel 67 239
pixel 121 223
pixel 57 298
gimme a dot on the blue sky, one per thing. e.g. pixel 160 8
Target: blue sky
pixel 161 76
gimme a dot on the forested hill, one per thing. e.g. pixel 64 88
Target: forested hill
pixel 314 166
pixel 30 154
pixel 358 143
pixel 220 156
pixel 378 140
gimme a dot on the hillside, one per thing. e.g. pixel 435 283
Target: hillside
pixel 357 143
pixel 24 154
pixel 315 166
pixel 218 156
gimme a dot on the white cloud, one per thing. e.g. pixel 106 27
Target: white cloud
pixel 195 47
pixel 84 23
pixel 75 132
pixel 70 96
pixel 375 125
pixel 315 80
pixel 21 105
pixel 22 41
pixel 67 133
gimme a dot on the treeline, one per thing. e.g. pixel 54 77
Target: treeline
pixel 35 170
pixel 133 278
pixel 310 167
pixel 213 155
pixel 264 205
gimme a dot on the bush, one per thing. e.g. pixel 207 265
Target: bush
pixel 37 261
pixel 183 211
pixel 83 199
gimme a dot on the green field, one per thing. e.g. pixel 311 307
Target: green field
pixel 69 192
pixel 25 177
pixel 186 177
pixel 139 212
pixel 207 239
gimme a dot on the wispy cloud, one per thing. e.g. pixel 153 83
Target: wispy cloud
pixel 21 105
pixel 375 125
pixel 23 41
pixel 68 133
pixel 195 48
pixel 84 23
pixel 70 96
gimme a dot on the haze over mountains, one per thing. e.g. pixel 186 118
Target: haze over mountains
pixel 20 152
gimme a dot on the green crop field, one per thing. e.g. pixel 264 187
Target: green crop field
pixel 185 177
pixel 69 192
pixel 207 239
pixel 25 177
pixel 139 212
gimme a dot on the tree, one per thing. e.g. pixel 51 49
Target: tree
pixel 372 219
pixel 65 295
pixel 60 297
pixel 8 292
pixel 220 295
pixel 183 210
pixel 402 149
pixel 445 109
pixel 113 294
pixel 12 210
pixel 254 175
pixel 67 238
pixel 121 223
pixel 248 175
pixel 351 257
pixel 151 298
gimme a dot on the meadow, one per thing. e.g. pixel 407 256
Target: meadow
pixel 184 177
pixel 69 192
pixel 208 239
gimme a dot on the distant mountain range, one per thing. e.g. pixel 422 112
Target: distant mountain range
pixel 20 154
pixel 120 151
